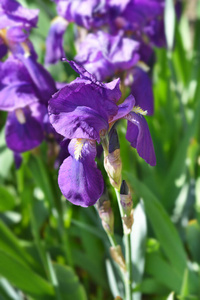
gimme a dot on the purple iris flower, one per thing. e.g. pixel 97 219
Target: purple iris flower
pixel 141 88
pixel 83 111
pixel 23 129
pixel 103 54
pixel 137 130
pixel 54 43
pixel 12 14
pixel 79 179
pixel 141 18
pixel 15 25
pixel 26 101
pixel 86 13
pixel 16 87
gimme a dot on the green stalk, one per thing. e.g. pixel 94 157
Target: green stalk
pixel 127 237
pixel 44 257
pixel 128 282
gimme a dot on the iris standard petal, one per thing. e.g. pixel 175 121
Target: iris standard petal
pixel 139 136
pixel 103 54
pixel 141 89
pixel 54 42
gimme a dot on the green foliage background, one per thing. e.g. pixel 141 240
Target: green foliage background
pixel 50 249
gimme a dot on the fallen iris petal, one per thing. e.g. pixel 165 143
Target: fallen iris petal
pixel 139 136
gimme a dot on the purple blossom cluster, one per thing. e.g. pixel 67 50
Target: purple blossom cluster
pixel 25 85
pixel 115 41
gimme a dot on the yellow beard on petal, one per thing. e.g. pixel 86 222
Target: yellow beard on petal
pixel 139 110
pixel 78 148
pixel 3 33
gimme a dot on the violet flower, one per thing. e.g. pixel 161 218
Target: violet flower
pixel 54 42
pixel 83 111
pixel 103 54
pixel 141 88
pixel 23 129
pixel 79 179
pixel 15 25
pixel 25 100
pixel 86 13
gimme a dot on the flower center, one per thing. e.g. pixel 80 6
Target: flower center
pixel 139 110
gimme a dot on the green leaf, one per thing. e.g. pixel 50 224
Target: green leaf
pixel 112 280
pixel 151 286
pixel 41 178
pixel 6 156
pixel 7 200
pixel 171 296
pixel 179 161
pixel 162 225
pixel 83 261
pixel 8 290
pixel 193 239
pixel 10 245
pixel 68 283
pixel 22 277
pixel 185 285
pixel 138 245
pixel 162 271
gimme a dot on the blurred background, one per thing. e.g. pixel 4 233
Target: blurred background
pixel 50 249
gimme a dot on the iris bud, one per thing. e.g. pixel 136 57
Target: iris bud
pixel 112 161
pixel 117 256
pixel 106 214
pixel 127 205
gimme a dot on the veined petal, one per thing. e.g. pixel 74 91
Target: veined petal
pixel 80 122
pixel 41 78
pixel 54 42
pixel 12 13
pixel 139 136
pixel 23 131
pixel 79 179
pixel 124 108
pixel 142 90
pixel 17 95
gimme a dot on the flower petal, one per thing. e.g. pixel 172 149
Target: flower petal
pixel 142 90
pixel 124 108
pixel 139 136
pixel 79 179
pixel 23 136
pixel 41 78
pixel 80 122
pixel 54 42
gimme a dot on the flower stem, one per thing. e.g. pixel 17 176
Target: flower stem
pixel 127 237
pixel 128 282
